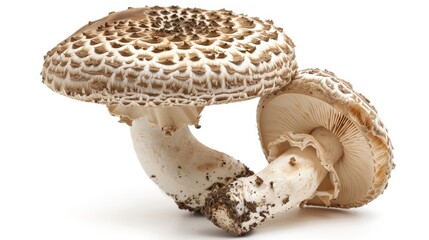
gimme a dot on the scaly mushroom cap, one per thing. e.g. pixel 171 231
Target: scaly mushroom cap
pixel 317 98
pixel 156 56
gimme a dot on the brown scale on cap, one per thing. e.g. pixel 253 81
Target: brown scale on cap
pixel 218 54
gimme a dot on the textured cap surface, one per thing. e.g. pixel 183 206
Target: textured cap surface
pixel 317 98
pixel 158 56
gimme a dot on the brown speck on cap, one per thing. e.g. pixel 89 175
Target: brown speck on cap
pixel 140 39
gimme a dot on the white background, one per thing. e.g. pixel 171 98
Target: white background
pixel 68 169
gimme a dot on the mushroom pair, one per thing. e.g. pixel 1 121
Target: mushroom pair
pixel 156 69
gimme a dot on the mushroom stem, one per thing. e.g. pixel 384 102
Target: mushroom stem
pixel 292 178
pixel 180 165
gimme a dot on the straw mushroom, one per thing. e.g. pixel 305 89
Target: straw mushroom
pixel 325 146
pixel 157 68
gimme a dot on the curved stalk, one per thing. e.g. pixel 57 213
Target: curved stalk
pixel 292 178
pixel 180 165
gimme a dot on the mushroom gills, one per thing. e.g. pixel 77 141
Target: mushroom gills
pixel 291 178
pixel 349 180
pixel 179 164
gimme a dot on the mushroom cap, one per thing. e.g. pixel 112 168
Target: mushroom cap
pixel 317 98
pixel 168 56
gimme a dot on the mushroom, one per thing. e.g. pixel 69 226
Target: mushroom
pixel 157 68
pixel 325 146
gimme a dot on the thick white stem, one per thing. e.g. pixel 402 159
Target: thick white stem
pixel 181 166
pixel 286 182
